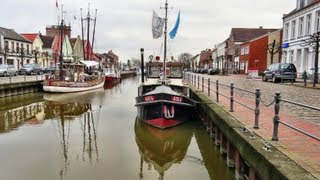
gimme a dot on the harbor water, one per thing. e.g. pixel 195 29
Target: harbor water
pixel 95 135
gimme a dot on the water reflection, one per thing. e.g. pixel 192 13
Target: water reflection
pixel 17 110
pixel 161 148
pixel 70 107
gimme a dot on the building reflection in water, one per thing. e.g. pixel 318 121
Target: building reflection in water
pixel 70 107
pixel 161 148
pixel 18 110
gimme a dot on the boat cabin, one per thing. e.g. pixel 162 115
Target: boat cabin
pixel 173 69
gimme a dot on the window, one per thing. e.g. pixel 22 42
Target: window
pixel 300 4
pixel 300 30
pixel 12 47
pixel 317 21
pixel 308 24
pixel 293 30
pixel 291 56
pixel 286 31
pixel 28 50
pixel 284 56
pixel 17 47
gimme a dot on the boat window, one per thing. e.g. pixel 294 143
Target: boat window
pixel 176 72
pixel 154 71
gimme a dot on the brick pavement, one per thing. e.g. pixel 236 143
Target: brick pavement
pixel 302 149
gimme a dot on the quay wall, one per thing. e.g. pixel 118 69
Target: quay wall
pixel 12 89
pixel 126 74
pixel 244 150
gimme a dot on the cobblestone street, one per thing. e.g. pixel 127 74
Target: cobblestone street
pixel 293 92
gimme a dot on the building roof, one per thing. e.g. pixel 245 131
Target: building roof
pixel 30 36
pixel 246 34
pixel 12 35
pixel 298 10
pixel 47 41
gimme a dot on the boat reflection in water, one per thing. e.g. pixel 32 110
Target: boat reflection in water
pixel 67 109
pixel 161 148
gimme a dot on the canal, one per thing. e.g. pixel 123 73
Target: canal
pixel 95 135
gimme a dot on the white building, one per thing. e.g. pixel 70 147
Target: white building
pixel 221 52
pixel 298 25
pixel 14 49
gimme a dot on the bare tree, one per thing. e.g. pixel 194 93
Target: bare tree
pixel 273 48
pixel 186 58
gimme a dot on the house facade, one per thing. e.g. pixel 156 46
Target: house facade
pixel 37 50
pixel 15 49
pixel 236 38
pixel 298 25
pixel 259 53
pixel 206 59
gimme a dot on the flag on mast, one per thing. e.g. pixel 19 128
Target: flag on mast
pixel 157 26
pixel 173 32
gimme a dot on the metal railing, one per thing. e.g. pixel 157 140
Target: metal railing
pixel 194 80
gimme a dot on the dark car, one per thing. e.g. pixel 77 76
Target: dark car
pixel 213 71
pixel 280 72
pixel 30 69
pixel 50 69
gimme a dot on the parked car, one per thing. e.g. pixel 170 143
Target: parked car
pixel 203 70
pixel 50 69
pixel 8 70
pixel 279 72
pixel 30 69
pixel 213 71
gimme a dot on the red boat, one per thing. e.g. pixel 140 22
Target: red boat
pixel 112 76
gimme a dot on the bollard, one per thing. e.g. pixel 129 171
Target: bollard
pixel 257 110
pixel 292 77
pixel 217 90
pixel 202 84
pixel 209 87
pixel 10 79
pixel 276 116
pixel 231 97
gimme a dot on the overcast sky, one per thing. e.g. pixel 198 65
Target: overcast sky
pixel 124 26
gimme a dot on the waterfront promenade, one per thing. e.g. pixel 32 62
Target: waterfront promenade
pixel 303 150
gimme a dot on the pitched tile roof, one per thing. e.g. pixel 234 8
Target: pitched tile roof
pixel 12 35
pixel 47 41
pixel 246 34
pixel 30 36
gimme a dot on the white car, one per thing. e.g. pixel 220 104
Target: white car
pixel 8 70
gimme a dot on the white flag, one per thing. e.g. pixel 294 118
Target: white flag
pixel 157 26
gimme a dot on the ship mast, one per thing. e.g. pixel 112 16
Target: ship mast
pixel 165 39
pixel 88 53
pixel 61 43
